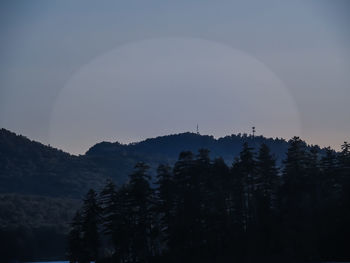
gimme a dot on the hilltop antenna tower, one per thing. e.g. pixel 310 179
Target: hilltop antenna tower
pixel 253 131
pixel 197 130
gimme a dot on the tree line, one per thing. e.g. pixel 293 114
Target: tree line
pixel 202 210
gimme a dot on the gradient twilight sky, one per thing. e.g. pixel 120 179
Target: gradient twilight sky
pixel 73 73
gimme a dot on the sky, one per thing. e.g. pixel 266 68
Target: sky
pixel 74 73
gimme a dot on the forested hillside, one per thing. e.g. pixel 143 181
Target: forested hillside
pixel 41 186
pixel 202 210
pixel 29 167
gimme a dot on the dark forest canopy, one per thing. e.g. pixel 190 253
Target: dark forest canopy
pixel 202 210
pixel 42 186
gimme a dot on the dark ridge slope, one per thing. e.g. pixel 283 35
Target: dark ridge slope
pixel 29 167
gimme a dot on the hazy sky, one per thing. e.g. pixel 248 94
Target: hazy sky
pixel 73 73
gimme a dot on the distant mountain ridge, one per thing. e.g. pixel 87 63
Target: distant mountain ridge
pixel 171 145
pixel 29 167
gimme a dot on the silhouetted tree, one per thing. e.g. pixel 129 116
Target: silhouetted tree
pixel 121 227
pixel 204 211
pixel 108 203
pixel 246 168
pixel 90 226
pixel 343 214
pixel 165 202
pixel 294 194
pixel 216 217
pixel 265 194
pixel 183 227
pixel 75 244
pixel 140 201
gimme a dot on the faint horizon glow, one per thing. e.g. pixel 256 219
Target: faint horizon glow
pixel 305 45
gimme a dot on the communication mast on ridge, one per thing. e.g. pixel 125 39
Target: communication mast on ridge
pixel 197 130
pixel 253 131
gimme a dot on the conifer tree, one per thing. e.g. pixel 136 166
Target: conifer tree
pixel 75 245
pixel 294 166
pixel 293 195
pixel 165 201
pixel 122 225
pixel 181 240
pixel 245 168
pixel 108 203
pixel 140 200
pixel 90 226
pixel 267 176
pixel 344 165
pixel 265 197
pixel 216 214
pixel 344 200
pixel 236 199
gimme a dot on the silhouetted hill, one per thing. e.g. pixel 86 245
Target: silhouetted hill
pixel 168 147
pixel 29 167
pixel 118 159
